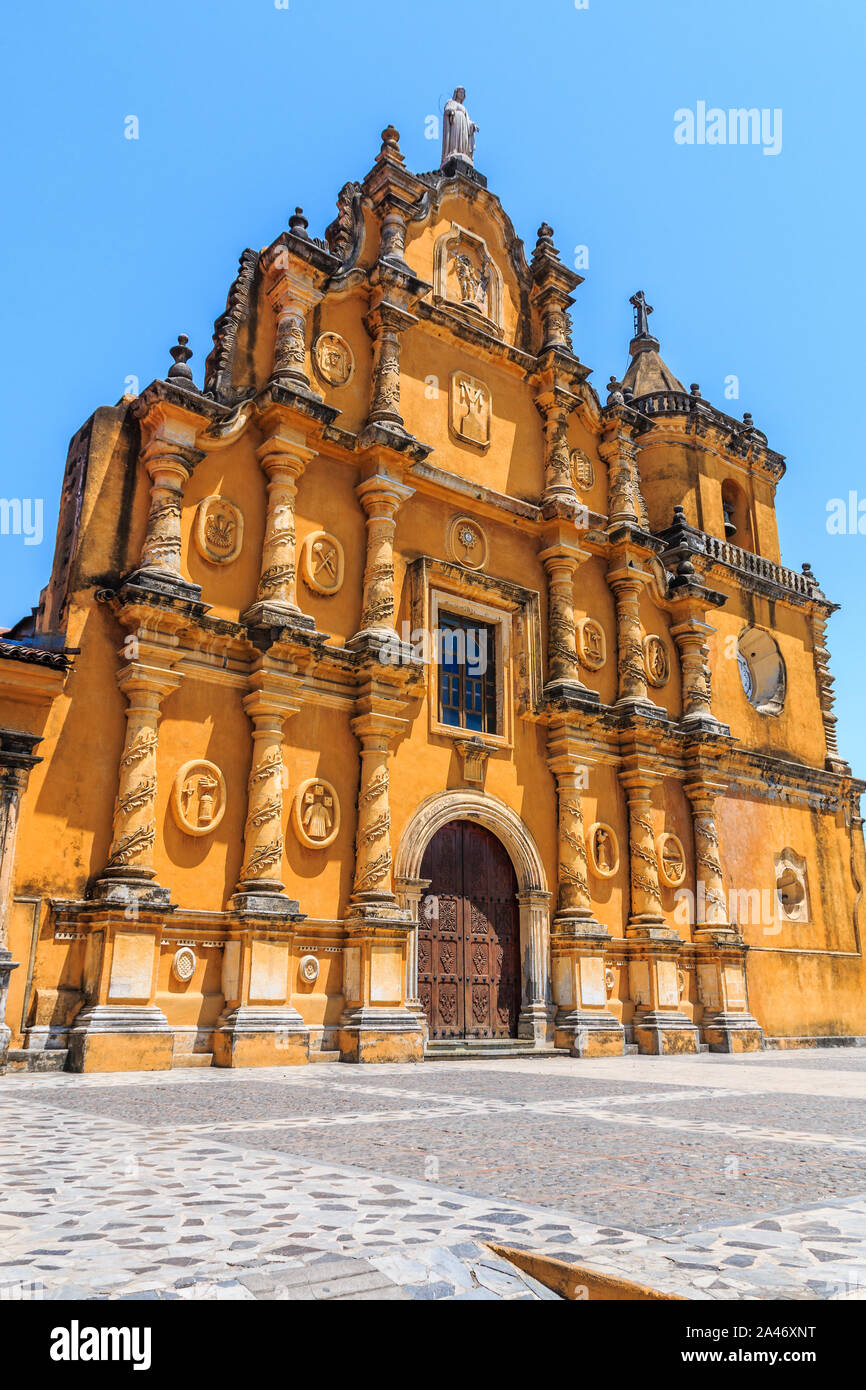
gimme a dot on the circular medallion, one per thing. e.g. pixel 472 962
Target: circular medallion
pixel 603 850
pixel 308 969
pixel 219 530
pixel 322 563
pixel 671 860
pixel 609 980
pixel 183 965
pixel 467 543
pixel 582 469
pixel 334 359
pixel 655 660
pixel 681 982
pixel 591 644
pixel 198 797
pixel 316 813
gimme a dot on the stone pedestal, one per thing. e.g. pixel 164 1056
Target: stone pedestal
pixel 726 1023
pixel 120 1027
pixel 535 1023
pixel 260 1027
pixel 377 1024
pixel 660 1027
pixel 583 1024
pixel 7 965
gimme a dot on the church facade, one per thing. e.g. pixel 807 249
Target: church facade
pixel 395 691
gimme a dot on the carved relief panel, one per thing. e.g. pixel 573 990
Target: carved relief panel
pixel 467 543
pixel 656 661
pixel 219 530
pixel 603 850
pixel 470 409
pixel 322 563
pixel 198 797
pixel 333 359
pixel 466 276
pixel 316 813
pixel 671 860
pixel 591 644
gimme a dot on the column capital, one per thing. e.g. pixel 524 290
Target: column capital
pixel 381 495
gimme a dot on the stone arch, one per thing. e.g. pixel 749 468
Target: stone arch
pixel 533 897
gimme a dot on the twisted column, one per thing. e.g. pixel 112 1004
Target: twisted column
pixel 627 585
pixel 169 467
pixel 691 639
pixel 381 498
pixel 130 858
pixel 373 860
pixel 283 458
pixel 711 913
pixel 646 898
pixel 260 885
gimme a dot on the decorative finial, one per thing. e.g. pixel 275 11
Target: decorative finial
pixel 614 392
pixel 807 570
pixel 458 131
pixel 642 310
pixel 695 389
pixel 299 224
pixel 748 421
pixel 391 144
pixel 179 372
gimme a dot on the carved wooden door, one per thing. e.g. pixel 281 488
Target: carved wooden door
pixel 469 936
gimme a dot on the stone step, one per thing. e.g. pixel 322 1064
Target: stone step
pixel 630 1050
pixel 325 1056
pixel 192 1059
pixel 448 1050
pixel 37 1059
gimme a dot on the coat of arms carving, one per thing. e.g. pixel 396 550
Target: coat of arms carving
pixel 470 409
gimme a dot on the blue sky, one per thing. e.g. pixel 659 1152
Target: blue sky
pixel 113 246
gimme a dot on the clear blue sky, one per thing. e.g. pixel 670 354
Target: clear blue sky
pixel 753 262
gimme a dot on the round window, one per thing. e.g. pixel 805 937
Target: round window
pixel 762 670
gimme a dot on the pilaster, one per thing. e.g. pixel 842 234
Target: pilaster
pixel 17 758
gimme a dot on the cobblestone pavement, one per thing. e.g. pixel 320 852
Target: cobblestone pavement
pixel 710 1177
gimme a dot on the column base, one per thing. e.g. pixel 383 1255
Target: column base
pixel 535 1024
pixel 265 614
pixel 589 1034
pixel 7 965
pixel 256 1036
pixel 572 693
pixel 117 886
pixel 368 1034
pixel 120 1037
pixel 165 582
pixel 662 1034
pixel 265 905
pixel 733 1032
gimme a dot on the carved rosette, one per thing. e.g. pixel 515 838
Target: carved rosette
pixel 380 497
pixel 132 845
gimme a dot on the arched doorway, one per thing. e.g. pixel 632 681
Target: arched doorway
pixel 469 979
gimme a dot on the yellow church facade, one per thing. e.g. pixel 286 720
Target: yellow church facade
pixel 396 693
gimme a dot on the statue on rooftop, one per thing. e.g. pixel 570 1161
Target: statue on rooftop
pixel 458 131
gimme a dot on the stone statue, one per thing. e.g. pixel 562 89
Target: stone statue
pixel 458 131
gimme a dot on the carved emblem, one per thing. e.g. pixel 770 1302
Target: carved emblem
pixel 183 965
pixel 316 813
pixel 603 850
pixel 322 563
pixel 467 543
pixel 591 644
pixel 671 860
pixel 582 470
pixel 609 980
pixel 792 889
pixel 655 660
pixel 198 797
pixel 464 275
pixel 333 359
pixel 219 530
pixel 470 409
pixel 308 969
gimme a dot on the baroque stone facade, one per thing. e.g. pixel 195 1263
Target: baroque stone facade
pixel 255 716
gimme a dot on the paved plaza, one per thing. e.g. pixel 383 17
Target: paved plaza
pixel 708 1177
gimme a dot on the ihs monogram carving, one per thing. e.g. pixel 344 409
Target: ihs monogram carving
pixel 603 850
pixel 655 660
pixel 582 470
pixel 219 530
pixel 470 409
pixel 198 797
pixel 591 644
pixel 333 359
pixel 316 813
pixel 322 563
pixel 671 860
pixel 467 543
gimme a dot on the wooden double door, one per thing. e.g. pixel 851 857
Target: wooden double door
pixel 469 936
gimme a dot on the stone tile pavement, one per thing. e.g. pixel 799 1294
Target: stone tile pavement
pixel 709 1177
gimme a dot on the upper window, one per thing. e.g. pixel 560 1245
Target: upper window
pixel 735 510
pixel 467 674
pixel 762 670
